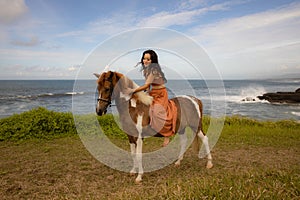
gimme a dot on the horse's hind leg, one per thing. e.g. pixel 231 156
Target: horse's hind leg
pixel 204 139
pixel 183 143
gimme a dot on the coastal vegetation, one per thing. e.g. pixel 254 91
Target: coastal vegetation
pixel 40 123
pixel 43 157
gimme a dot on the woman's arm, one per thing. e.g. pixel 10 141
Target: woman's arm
pixel 142 88
pixel 147 84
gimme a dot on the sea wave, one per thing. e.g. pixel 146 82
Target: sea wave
pixel 43 95
pixel 248 95
pixel 291 80
pixel 244 96
pixel 60 94
pixel 295 113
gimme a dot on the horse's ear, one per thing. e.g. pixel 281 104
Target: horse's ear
pixel 114 77
pixel 97 75
pixel 119 75
pixel 118 82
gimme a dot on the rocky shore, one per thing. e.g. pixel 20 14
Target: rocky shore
pixel 282 97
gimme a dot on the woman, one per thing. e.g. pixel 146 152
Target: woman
pixel 162 111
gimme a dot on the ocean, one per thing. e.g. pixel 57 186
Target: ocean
pixel 230 97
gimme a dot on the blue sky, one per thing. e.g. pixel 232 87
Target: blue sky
pixel 51 39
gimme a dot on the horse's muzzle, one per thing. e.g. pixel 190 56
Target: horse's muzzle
pixel 101 112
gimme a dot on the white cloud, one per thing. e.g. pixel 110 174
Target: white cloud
pixel 276 26
pixel 105 26
pixel 165 19
pixel 39 63
pixel 38 71
pixel 254 45
pixel 182 16
pixel 70 34
pixel 185 14
pixel 74 68
pixel 33 41
pixel 12 10
pixel 190 4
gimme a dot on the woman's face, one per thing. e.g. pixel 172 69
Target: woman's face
pixel 147 60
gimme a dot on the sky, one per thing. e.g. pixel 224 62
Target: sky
pixel 244 39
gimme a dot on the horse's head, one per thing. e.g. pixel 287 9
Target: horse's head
pixel 106 85
pixel 114 85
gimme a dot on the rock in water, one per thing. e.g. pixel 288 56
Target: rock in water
pixel 248 99
pixel 282 97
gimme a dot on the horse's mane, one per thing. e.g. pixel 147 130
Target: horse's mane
pixel 142 96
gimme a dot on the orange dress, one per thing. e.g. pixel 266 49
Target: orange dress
pixel 163 112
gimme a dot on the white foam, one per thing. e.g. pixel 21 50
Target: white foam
pixel 74 93
pixel 296 113
pixel 248 95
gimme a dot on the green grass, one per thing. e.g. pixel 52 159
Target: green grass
pixel 252 160
pixel 256 133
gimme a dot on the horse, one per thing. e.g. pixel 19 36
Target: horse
pixel 134 116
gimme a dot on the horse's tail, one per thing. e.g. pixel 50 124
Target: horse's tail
pixel 196 144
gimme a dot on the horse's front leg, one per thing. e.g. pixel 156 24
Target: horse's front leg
pixel 139 159
pixel 133 155
pixel 139 148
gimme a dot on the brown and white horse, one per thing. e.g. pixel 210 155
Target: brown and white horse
pixel 134 116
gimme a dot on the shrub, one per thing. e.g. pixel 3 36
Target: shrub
pixel 36 123
pixel 40 123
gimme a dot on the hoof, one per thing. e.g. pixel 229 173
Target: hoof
pixel 138 181
pixel 209 165
pixel 177 163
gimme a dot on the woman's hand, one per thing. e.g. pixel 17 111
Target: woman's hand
pixel 129 91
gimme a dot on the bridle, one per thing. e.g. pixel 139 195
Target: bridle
pixel 108 101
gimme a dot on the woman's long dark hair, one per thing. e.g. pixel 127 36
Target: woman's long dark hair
pixel 154 64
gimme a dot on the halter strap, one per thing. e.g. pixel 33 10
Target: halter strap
pixel 105 100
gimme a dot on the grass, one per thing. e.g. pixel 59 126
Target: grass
pixel 252 160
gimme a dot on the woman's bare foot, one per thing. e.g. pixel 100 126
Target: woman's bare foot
pixel 166 141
